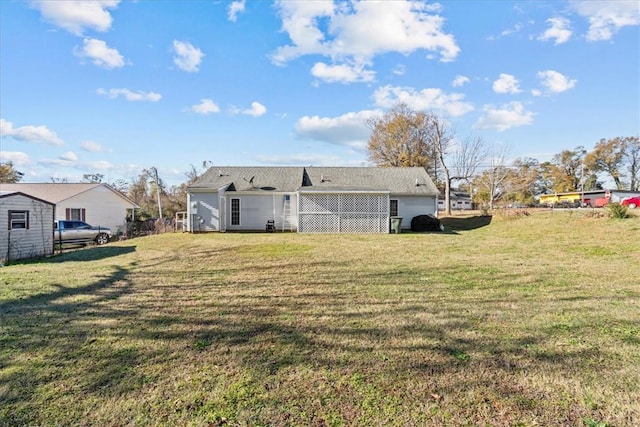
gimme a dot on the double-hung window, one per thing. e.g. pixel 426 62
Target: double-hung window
pixel 235 211
pixel 18 220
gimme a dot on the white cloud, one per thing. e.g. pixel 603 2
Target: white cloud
pixel 92 147
pixel 555 82
pixel 342 31
pixel 426 99
pixel 607 17
pixel 29 133
pixel 130 95
pixel 187 57
pixel 256 110
pixel 559 31
pixel 506 83
pixel 460 81
pixel 342 73
pixel 399 70
pixel 69 156
pixel 516 28
pixel 234 9
pixel 77 15
pixel 506 117
pixel 350 129
pixel 18 158
pixel 100 54
pixel 206 106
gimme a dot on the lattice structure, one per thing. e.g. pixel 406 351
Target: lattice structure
pixel 343 213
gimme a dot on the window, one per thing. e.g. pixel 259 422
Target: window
pixel 393 207
pixel 18 220
pixel 235 211
pixel 75 214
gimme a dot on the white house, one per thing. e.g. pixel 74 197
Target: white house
pixel 309 199
pixel 95 203
pixel 26 226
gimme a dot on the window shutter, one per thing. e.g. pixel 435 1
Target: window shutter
pixel 67 214
pixel 83 214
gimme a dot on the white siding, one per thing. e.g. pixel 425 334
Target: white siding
pixel 33 242
pixel 204 212
pixel 103 208
pixel 411 206
pixel 257 209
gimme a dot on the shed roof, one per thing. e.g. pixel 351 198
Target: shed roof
pixel 56 192
pixel 7 194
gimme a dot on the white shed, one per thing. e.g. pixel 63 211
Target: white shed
pixel 26 226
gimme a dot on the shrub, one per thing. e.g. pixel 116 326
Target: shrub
pixel 616 210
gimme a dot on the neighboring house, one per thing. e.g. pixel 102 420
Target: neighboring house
pixel 309 199
pixel 459 201
pixel 26 226
pixel 95 203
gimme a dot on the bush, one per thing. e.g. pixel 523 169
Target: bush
pixel 616 210
pixel 425 223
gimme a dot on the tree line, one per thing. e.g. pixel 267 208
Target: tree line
pixel 406 137
pixel 410 138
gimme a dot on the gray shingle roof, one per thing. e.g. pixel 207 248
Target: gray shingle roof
pixel 395 180
pixel 251 178
pixel 290 179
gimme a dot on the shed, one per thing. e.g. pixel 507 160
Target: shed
pixel 26 226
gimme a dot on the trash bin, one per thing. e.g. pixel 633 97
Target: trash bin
pixel 396 223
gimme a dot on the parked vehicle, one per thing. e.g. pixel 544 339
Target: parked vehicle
pixel 80 232
pixel 632 202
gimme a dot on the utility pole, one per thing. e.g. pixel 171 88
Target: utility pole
pixel 155 171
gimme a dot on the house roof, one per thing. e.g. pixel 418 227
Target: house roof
pixel 408 181
pixel 251 178
pixel 397 180
pixel 58 192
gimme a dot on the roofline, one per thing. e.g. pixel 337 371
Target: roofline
pixel 20 193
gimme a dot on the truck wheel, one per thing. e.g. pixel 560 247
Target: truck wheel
pixel 102 239
pixel 632 206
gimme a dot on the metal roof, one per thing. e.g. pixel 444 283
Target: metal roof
pixel 407 181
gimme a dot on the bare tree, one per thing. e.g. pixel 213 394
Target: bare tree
pixel 493 180
pixel 469 155
pixel 631 157
pixel 440 138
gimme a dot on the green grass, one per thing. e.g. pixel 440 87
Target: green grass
pixel 517 321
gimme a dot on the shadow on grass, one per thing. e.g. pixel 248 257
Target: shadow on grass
pixel 91 253
pixel 46 340
pixel 465 223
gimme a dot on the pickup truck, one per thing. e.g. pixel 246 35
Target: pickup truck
pixel 80 232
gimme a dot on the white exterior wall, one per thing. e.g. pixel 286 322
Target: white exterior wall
pixel 33 242
pixel 102 207
pixel 257 209
pixel 203 211
pixel 411 206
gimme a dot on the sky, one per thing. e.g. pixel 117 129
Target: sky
pixel 114 87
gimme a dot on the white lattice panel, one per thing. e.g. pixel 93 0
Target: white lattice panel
pixel 344 213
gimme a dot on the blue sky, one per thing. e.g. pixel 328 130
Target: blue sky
pixel 113 87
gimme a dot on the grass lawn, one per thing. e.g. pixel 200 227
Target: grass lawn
pixel 517 321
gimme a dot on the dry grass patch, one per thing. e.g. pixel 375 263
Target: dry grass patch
pixel 527 321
